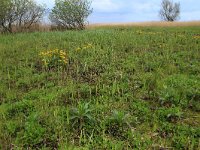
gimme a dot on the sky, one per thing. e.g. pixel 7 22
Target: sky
pixel 119 11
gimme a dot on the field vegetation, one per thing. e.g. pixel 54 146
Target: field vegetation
pixel 102 88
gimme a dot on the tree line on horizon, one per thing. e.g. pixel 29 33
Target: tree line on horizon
pixel 66 14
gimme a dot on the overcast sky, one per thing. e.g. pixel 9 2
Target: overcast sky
pixel 106 11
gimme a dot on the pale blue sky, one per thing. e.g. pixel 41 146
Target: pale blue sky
pixel 107 11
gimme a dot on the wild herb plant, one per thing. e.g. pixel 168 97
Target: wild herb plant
pixel 81 116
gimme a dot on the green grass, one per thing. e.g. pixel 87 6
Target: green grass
pixel 135 88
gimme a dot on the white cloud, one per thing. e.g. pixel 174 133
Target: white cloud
pixel 105 6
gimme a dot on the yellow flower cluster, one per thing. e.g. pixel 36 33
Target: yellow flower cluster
pixel 196 37
pixel 86 46
pixel 53 57
pixel 139 32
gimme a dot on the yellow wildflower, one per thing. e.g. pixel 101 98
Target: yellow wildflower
pixel 196 37
pixel 78 49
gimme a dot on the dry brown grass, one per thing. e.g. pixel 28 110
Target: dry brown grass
pixel 48 27
pixel 147 24
pixel 33 28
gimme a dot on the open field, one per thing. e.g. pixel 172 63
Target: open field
pixel 102 88
pixel 148 24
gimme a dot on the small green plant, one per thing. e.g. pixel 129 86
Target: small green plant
pixel 33 133
pixel 169 97
pixel 170 114
pixel 118 124
pixel 81 116
pixel 12 127
pixel 150 85
pixel 24 107
pixel 140 109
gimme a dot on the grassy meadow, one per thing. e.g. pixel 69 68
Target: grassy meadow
pixel 101 88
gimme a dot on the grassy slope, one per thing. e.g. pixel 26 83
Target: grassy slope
pixel 135 88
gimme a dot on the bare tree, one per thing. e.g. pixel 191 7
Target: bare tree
pixel 70 14
pixel 30 14
pixel 8 15
pixel 20 13
pixel 169 11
